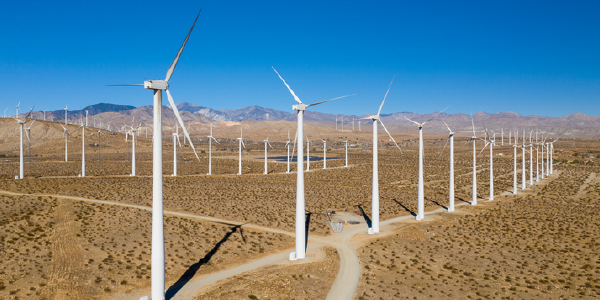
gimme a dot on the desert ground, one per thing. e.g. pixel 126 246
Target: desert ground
pixel 68 237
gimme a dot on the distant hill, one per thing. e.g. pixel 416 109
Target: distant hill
pixel 577 124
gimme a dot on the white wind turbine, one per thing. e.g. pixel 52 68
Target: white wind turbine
pixel 451 176
pixel 287 144
pixel 530 159
pixel 537 157
pixel 375 182
pixel 241 143
pixel 300 252
pixel 29 136
pixel 18 108
pixel 158 243
pixel 523 160
pixel 325 152
pixel 210 138
pixel 474 181
pixel 82 174
pixel 22 127
pixel 65 114
pixel 502 129
pixel 266 144
pixel 66 135
pixel 133 137
pixel 491 142
pixel 551 153
pixel 421 192
pixel 346 141
pixel 175 142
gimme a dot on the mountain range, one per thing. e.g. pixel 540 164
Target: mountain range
pixel 577 124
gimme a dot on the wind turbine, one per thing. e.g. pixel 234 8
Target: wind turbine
pixel 175 142
pixel 474 188
pixel 300 252
pixel 420 193
pixel 22 127
pixel 375 183
pixel 133 131
pixel 523 178
pixel 18 108
pixel 515 167
pixel 325 151
pixel 346 141
pixel 29 136
pixel 502 129
pixel 287 144
pixel 66 135
pixel 451 180
pixel 65 114
pixel 269 144
pixel 491 143
pixel 241 143
pixel 551 153
pixel 158 242
pixel 530 159
pixel 82 149
pixel 210 138
pixel 537 157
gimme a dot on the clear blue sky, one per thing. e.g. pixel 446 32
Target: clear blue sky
pixel 531 57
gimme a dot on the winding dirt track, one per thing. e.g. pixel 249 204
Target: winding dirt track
pixel 349 272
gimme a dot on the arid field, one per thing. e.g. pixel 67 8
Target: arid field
pixel 69 237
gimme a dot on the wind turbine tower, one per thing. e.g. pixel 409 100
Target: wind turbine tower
pixel 300 237
pixel 241 143
pixel 266 144
pixel 375 184
pixel 325 150
pixel 421 191
pixel 210 138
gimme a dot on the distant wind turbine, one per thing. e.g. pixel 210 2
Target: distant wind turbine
pixel 325 152
pixel 451 176
pixel 241 143
pixel 375 182
pixel 22 127
pixel 210 138
pixel 421 192
pixel 267 144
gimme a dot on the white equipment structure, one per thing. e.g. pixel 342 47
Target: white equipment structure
pixel 210 138
pixel 22 128
pixel 514 168
pixel 523 161
pixel 451 175
pixel 375 182
pixel 158 242
pixel 18 108
pixel 65 114
pixel 82 174
pixel 421 192
pixel 530 159
pixel 241 143
pixel 325 153
pixel 266 144
pixel 300 251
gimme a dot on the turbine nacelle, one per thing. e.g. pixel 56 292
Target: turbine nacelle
pixel 299 107
pixel 156 85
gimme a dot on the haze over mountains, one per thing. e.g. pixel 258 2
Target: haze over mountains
pixel 577 124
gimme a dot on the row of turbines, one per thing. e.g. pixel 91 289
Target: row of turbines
pixel 157 246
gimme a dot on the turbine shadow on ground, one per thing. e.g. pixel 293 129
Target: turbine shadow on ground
pixel 436 203
pixel 307 225
pixel 367 219
pixel 191 271
pixel 463 200
pixel 405 208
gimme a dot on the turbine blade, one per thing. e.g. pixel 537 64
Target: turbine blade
pixel 125 85
pixel 391 137
pixel 176 111
pixel 447 125
pixel 436 114
pixel 27 134
pixel 215 139
pixel 174 63
pixel 486 144
pixel 386 93
pixel 243 144
pixel 289 88
pixel 447 140
pixel 412 121
pixel 329 100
